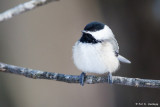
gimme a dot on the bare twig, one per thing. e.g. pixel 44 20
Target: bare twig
pixel 21 8
pixel 89 79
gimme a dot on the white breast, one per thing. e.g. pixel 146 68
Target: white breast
pixel 95 58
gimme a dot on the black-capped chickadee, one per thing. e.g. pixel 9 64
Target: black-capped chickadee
pixel 97 51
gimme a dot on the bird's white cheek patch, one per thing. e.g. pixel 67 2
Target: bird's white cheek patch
pixel 103 34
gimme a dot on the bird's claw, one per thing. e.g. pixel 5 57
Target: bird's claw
pixel 110 81
pixel 82 77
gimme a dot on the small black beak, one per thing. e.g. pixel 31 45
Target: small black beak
pixel 83 31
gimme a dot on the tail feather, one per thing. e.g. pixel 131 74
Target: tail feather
pixel 123 59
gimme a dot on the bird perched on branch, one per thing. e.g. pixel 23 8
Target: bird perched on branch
pixel 97 51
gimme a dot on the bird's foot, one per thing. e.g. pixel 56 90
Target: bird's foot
pixel 110 81
pixel 82 77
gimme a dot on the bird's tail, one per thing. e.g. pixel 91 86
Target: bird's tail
pixel 123 59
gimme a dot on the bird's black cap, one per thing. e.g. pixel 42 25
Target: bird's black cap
pixel 94 26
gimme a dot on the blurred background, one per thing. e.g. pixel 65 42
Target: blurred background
pixel 43 39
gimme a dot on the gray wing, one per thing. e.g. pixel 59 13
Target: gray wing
pixel 114 42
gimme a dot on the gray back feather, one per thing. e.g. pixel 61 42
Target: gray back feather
pixel 114 43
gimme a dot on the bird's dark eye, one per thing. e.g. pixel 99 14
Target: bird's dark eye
pixel 94 26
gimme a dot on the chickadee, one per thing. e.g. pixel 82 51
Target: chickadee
pixel 97 51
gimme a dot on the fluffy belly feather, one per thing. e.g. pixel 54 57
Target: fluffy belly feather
pixel 95 58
